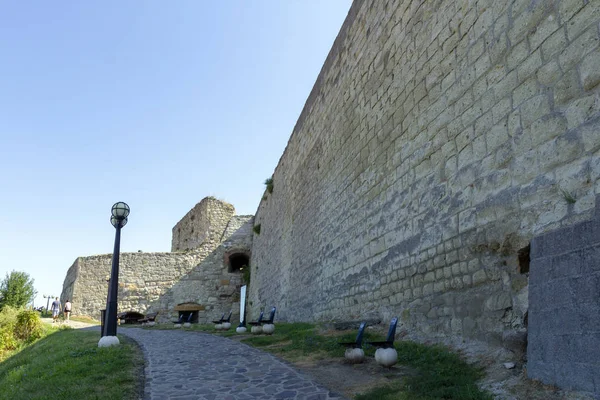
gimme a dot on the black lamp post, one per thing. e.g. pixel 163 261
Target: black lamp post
pixel 119 212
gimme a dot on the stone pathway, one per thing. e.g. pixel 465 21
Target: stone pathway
pixel 196 366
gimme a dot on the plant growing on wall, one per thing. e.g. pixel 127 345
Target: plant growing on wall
pixel 246 274
pixel 256 229
pixel 269 184
pixel 568 196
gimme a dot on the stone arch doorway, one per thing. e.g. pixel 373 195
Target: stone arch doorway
pixel 237 261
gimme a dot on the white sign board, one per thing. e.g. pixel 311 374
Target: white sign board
pixel 242 303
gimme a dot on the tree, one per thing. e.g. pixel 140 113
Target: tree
pixel 16 290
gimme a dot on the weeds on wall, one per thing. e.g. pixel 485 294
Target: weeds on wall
pixel 568 196
pixel 269 184
pixel 246 274
pixel 256 229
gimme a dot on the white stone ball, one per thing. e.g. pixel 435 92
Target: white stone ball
pixel 268 329
pixel 386 357
pixel 187 325
pixel 241 329
pixel 355 355
pixel 218 326
pixel 107 341
pixel 256 330
pixel 226 325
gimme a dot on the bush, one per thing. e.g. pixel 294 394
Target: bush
pixel 7 338
pixel 8 319
pixel 269 184
pixel 29 326
pixel 8 316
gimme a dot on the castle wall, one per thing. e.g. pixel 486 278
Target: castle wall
pixel 143 279
pixel 70 282
pixel 159 282
pixel 439 138
pixel 564 313
pixel 203 224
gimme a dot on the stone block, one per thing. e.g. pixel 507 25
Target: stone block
pixel 566 88
pixel 467 280
pixel 568 8
pixel 590 74
pixel 581 46
pixel 567 320
pixel 581 110
pixel 549 73
pixel 566 265
pixel 584 18
pixel 575 376
pixel 525 21
pixel 526 90
pixel 498 301
pixel 586 234
pixel 591 260
pixel 540 270
pixel 547 128
pixel 529 66
pixel 533 109
pixel 542 371
pixel 479 277
pixel 554 45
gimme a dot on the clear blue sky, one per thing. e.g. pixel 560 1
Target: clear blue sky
pixel 154 103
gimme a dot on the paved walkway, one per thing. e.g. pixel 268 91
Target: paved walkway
pixel 197 366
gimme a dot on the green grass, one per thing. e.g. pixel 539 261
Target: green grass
pixel 68 364
pixel 295 340
pixel 441 374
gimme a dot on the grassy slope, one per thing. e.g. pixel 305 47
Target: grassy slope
pixel 68 364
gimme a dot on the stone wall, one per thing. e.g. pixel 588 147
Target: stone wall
pixel 439 138
pixel 564 307
pixel 70 282
pixel 143 280
pixel 203 224
pixel 159 282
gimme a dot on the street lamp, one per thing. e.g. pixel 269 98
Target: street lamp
pixel 48 301
pixel 118 219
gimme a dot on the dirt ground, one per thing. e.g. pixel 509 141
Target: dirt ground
pixel 503 383
pixel 351 379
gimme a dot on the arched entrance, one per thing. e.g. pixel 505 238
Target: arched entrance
pixel 237 261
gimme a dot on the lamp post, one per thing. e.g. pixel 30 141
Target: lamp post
pixel 118 219
pixel 49 296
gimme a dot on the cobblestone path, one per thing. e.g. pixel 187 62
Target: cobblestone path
pixel 191 365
